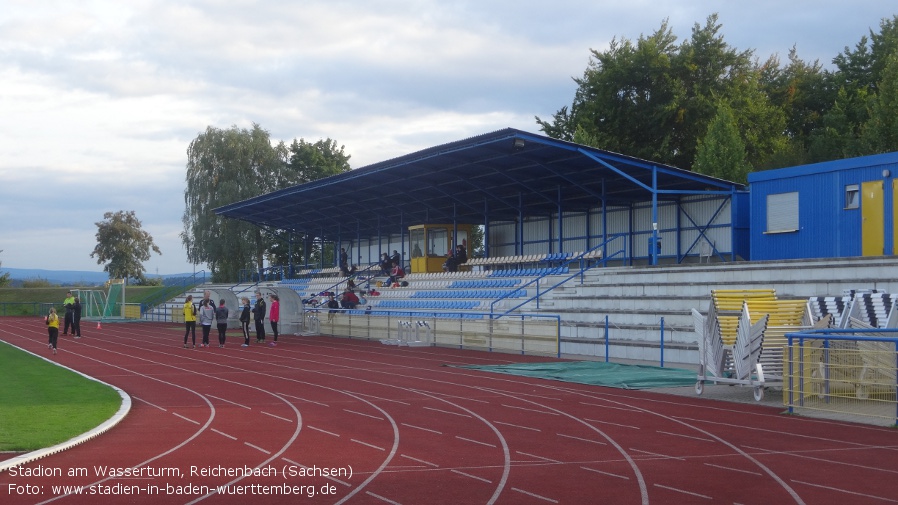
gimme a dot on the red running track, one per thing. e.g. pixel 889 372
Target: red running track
pixel 396 426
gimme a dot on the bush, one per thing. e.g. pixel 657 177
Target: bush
pixel 36 283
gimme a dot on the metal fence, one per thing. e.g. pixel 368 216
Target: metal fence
pixel 846 373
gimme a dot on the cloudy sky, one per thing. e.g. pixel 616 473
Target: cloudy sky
pixel 100 99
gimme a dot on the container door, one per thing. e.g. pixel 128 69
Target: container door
pixel 872 219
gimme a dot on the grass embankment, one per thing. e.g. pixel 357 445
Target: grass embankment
pixel 44 404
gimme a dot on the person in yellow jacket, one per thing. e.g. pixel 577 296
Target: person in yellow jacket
pixel 53 328
pixel 189 320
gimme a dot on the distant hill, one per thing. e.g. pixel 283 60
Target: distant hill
pixel 64 277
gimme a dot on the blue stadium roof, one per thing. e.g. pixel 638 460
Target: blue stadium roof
pixel 495 176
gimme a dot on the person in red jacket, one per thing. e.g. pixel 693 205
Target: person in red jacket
pixel 349 299
pixel 274 315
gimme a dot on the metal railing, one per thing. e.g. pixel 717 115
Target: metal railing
pixel 844 372
pixel 583 261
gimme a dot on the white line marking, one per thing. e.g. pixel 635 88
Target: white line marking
pixel 581 439
pixel 256 447
pixel 528 493
pixel 379 497
pixel 685 436
pixel 305 400
pixel 223 434
pixel 379 398
pixel 733 469
pixel 185 418
pixel 683 491
pixel 229 401
pixel 535 411
pixel 447 412
pixel 363 414
pixel 277 417
pixel 517 426
pixel 606 406
pixel 658 455
pixel 605 473
pixel 428 463
pixel 471 476
pixel 475 441
pixel 538 457
pixel 845 491
pixel 369 445
pixel 420 428
pixel 613 424
pixel 150 404
pixel 322 431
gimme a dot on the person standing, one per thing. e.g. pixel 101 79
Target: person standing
pixel 344 262
pixel 274 316
pixel 189 320
pixel 76 318
pixel 53 328
pixel 259 317
pixel 207 315
pixel 69 304
pixel 221 316
pixel 244 321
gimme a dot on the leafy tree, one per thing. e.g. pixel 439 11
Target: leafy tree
pixel 881 131
pixel 721 153
pixel 123 245
pixel 227 166
pixel 4 279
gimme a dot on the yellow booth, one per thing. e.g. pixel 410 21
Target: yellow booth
pixel 431 244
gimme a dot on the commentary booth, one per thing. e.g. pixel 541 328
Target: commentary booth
pixel 432 244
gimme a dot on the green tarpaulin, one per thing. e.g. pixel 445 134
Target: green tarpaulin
pixel 597 373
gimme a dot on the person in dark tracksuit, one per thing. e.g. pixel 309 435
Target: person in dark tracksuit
pixel 259 317
pixel 69 304
pixel 76 318
pixel 244 321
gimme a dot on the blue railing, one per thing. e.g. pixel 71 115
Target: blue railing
pixel 562 268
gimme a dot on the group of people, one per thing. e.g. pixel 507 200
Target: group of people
pixel 207 312
pixel 72 320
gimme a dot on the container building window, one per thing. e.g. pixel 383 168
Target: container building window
pixel 782 212
pixel 852 196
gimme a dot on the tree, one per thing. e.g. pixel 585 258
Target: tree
pixel 721 153
pixel 123 245
pixel 4 279
pixel 227 166
pixel 881 131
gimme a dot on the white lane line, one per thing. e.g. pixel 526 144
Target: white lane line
pixel 304 399
pixel 256 447
pixel 684 491
pixel 657 455
pixel 471 476
pixel 517 426
pixel 891 500
pixel 734 469
pixel 363 414
pixel 379 497
pixel 606 406
pixel 538 457
pixel 369 445
pixel 703 439
pixel 447 412
pixel 535 411
pixel 420 428
pixel 581 439
pixel 475 441
pixel 229 401
pixel 605 473
pixel 277 417
pixel 150 404
pixel 223 434
pixel 185 418
pixel 528 493
pixel 613 424
pixel 322 431
pixel 379 398
pixel 428 463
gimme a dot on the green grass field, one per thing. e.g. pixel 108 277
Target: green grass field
pixel 43 404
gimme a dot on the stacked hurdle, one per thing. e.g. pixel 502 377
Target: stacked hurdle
pixel 411 334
